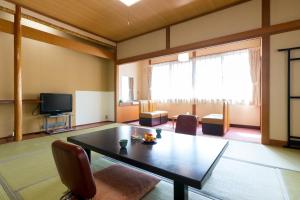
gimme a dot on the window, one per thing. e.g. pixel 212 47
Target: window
pixel 126 89
pixel 217 77
pixel 224 77
pixel 171 81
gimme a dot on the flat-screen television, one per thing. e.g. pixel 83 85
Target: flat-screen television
pixel 54 104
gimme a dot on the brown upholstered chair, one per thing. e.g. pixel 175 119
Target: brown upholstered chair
pixel 113 183
pixel 186 124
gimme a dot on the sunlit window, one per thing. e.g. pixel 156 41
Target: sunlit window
pixel 172 81
pixel 126 89
pixel 217 77
pixel 224 77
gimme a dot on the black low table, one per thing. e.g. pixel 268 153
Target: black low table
pixel 185 159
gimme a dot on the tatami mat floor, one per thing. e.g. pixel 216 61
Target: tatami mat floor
pixel 246 171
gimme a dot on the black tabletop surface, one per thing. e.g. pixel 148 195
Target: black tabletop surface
pixel 184 158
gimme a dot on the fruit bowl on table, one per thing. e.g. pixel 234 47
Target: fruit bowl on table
pixel 149 138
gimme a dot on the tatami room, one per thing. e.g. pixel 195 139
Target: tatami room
pixel 149 99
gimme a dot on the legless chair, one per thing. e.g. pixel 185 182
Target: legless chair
pixel 149 115
pixel 216 124
pixel 113 183
pixel 186 124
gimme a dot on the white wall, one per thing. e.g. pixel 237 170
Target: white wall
pixel 150 42
pixel 278 85
pixel 236 19
pixel 94 106
pixel 224 22
pixel 284 11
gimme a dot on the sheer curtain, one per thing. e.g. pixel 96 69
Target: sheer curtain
pixel 208 78
pixel 255 63
pixel 237 83
pixel 224 77
pixel 232 76
pixel 172 82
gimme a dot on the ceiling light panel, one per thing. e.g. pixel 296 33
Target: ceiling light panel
pixel 129 2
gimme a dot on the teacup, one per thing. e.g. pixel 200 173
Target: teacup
pixel 123 143
pixel 158 133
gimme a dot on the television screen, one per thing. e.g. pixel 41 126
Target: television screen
pixel 55 103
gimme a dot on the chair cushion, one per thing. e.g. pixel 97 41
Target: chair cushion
pixel 122 183
pixel 162 113
pixel 213 119
pixel 154 114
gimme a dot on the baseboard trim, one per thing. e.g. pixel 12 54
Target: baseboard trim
pixel 245 126
pixel 90 124
pixel 126 122
pixel 43 131
pixel 280 143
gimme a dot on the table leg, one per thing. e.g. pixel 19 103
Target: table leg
pixel 88 153
pixel 180 191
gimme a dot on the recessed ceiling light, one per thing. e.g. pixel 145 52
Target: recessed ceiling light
pixel 129 2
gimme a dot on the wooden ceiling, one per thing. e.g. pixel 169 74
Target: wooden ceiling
pixel 109 18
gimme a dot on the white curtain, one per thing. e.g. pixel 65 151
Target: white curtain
pixel 172 82
pixel 214 78
pixel 208 78
pixel 224 77
pixel 255 62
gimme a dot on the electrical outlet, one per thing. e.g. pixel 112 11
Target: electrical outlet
pixel 106 116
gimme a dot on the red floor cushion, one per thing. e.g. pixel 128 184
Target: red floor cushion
pixel 122 183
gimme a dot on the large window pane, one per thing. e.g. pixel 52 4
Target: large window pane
pixel 211 78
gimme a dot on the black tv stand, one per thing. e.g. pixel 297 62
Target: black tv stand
pixel 67 126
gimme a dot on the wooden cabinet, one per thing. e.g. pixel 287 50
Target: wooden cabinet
pixel 127 113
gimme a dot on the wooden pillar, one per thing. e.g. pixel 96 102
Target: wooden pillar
pixel 116 86
pixel 17 75
pixel 265 75
pixel 194 106
pixel 168 37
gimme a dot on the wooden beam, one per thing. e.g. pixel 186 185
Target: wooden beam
pixel 17 75
pixel 66 43
pixel 56 19
pixel 8 27
pixel 168 37
pixel 259 32
pixel 265 75
pixel 59 28
pixel 281 28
